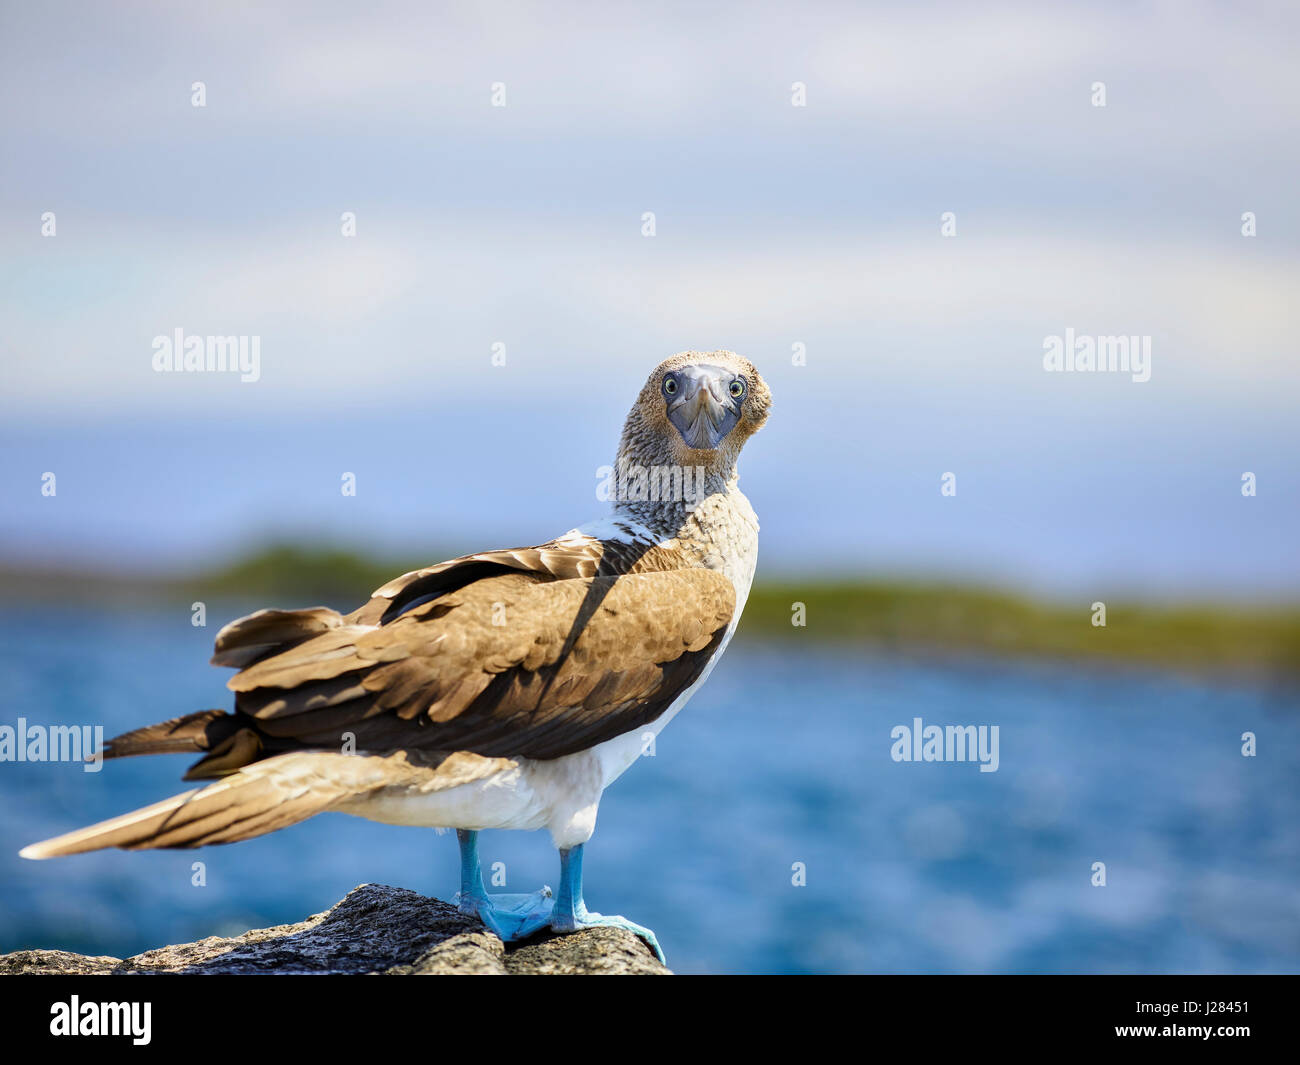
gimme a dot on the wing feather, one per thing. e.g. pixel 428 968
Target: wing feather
pixel 509 664
pixel 533 652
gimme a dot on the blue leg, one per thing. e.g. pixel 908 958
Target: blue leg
pixel 570 912
pixel 471 873
pixel 511 917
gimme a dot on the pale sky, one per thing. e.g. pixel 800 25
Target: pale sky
pixel 775 225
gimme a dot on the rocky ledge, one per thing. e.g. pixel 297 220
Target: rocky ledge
pixel 375 929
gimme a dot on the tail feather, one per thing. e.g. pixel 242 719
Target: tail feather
pixel 258 799
pixel 274 793
pixel 201 731
pixel 245 641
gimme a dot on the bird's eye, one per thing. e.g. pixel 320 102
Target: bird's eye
pixel 737 388
pixel 670 386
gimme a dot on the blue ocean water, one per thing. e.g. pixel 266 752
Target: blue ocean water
pixel 782 762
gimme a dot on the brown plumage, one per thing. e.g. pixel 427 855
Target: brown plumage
pixel 517 663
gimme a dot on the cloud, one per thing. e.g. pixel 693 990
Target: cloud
pixel 351 316
pixel 521 225
pixel 987 73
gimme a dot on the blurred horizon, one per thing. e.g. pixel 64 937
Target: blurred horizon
pixel 171 497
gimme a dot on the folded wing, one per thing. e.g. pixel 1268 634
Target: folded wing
pixel 523 653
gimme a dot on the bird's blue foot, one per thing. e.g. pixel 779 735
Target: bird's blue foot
pixel 570 913
pixel 511 917
pixel 514 917
pixel 584 918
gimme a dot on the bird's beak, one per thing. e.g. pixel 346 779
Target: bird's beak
pixel 702 412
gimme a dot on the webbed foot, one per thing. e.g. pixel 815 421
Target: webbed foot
pixel 571 913
pixel 583 918
pixel 510 916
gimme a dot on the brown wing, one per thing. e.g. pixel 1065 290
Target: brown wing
pixel 266 632
pixel 503 660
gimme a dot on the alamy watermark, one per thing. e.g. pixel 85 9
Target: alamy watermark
pixel 672 484
pixel 179 353
pixel 78 1018
pixel 1093 354
pixel 53 743
pixel 919 742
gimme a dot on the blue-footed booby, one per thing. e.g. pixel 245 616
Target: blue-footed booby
pixel 499 690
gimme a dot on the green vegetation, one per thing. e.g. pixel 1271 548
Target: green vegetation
pixel 867 614
pixel 971 620
pixel 286 576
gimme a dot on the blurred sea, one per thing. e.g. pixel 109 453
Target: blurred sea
pixel 782 758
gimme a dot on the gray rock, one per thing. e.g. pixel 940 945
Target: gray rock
pixel 375 929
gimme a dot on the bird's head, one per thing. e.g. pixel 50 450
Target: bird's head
pixel 696 410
